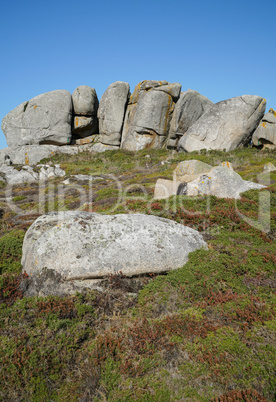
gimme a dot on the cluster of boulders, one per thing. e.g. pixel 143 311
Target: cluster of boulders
pixel 195 178
pixel 157 114
pixel 27 174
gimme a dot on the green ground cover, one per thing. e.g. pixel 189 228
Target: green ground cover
pixel 204 332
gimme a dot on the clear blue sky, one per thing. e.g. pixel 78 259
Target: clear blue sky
pixel 220 48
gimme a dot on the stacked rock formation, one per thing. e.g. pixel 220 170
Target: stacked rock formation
pixel 157 114
pixel 85 106
pixel 148 115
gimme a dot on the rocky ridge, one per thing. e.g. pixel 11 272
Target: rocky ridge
pixel 156 115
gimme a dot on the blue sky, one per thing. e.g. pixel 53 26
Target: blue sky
pixel 220 48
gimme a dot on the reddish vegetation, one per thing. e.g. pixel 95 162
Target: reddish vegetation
pixel 64 308
pixel 10 289
pixel 246 395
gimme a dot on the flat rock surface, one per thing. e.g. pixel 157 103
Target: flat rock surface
pixel 83 245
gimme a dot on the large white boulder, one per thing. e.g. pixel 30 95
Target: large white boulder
pixel 45 119
pixel 227 125
pixel 83 245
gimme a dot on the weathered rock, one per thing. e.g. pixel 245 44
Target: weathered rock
pixel 102 147
pixel 7 160
pixel 33 154
pixel 48 282
pixel 82 245
pixel 87 140
pixel 227 125
pixel 28 175
pixel 85 101
pixel 194 178
pixel 148 115
pixel 151 119
pixel 266 132
pixel 190 168
pixel 44 119
pixel 221 182
pixel 165 188
pixel 269 167
pixel 85 105
pixel 28 155
pixel 144 86
pixel 49 172
pixel 112 111
pixel 188 109
pixel 13 176
pixel 171 89
pixel 85 126
pixel 227 165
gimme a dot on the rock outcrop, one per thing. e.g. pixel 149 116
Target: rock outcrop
pixel 27 174
pixel 188 109
pixel 265 135
pixel 227 125
pixel 193 178
pixel 156 115
pixel 148 115
pixel 111 113
pixel 269 167
pixel 85 107
pixel 191 168
pixel 13 176
pixel 221 182
pixel 81 245
pixel 45 119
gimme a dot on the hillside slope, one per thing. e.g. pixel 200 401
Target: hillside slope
pixel 203 332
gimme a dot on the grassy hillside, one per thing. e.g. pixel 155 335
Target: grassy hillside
pixel 205 332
